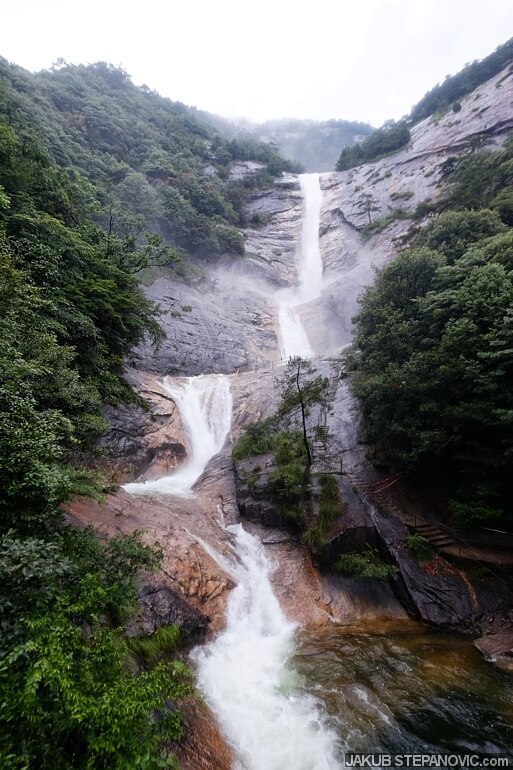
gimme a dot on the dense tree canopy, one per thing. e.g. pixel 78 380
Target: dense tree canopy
pixel 151 163
pixel 70 310
pixel 434 344
pixel 389 138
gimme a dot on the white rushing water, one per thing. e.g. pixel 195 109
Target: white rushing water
pixel 245 678
pixel 294 339
pixel 205 405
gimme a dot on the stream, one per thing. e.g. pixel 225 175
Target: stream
pixel 293 699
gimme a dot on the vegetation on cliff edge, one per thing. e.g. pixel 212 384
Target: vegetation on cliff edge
pixel 70 310
pixel 434 344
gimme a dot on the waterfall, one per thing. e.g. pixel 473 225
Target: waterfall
pixel 243 673
pixel 294 340
pixel 245 678
pixel 205 405
pixel 310 272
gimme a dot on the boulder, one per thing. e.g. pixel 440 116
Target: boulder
pixel 158 606
pixel 252 490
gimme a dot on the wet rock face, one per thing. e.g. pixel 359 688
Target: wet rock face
pixel 227 321
pixel 413 174
pixel 272 249
pixel 439 593
pixel 187 570
pixel 203 746
pixel 145 443
pixel 160 606
pixel 496 644
pixel 217 327
pixel 252 490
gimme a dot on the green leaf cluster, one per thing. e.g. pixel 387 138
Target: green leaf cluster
pixel 71 697
pixel 258 438
pixel 419 546
pixel 367 564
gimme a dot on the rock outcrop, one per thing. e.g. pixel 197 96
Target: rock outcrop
pixel 159 606
pixel 496 643
pixel 144 442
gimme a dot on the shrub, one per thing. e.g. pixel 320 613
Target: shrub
pixel 364 565
pixel 157 646
pixel 330 504
pixel 419 546
pixel 258 438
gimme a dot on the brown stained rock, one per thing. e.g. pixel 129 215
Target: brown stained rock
pixel 203 746
pixel 186 568
pixel 145 443
pixel 497 645
pixel 314 600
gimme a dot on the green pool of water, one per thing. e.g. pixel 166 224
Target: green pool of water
pixel 402 689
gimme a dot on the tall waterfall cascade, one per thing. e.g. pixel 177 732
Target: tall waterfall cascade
pixel 294 339
pixel 205 405
pixel 245 678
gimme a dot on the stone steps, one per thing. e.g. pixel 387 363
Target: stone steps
pixel 435 535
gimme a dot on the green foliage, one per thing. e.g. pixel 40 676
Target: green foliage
pixel 481 179
pixel 330 504
pixel 71 703
pixel 156 647
pixel 382 223
pixel 456 231
pixel 71 309
pixel 455 87
pixel 258 438
pixel 434 365
pixel 313 537
pixel 140 161
pixel 330 507
pixel 364 565
pixel 389 138
pixel 286 434
pixel 71 696
pixel 473 511
pixel 419 546
pixel 289 481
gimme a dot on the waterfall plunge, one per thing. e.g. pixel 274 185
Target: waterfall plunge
pixel 294 340
pixel 205 404
pixel 244 676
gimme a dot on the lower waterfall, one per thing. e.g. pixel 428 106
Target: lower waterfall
pixel 245 676
pixel 205 405
pixel 294 340
pixel 244 672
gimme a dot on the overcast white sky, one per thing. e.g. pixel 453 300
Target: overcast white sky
pixel 357 59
